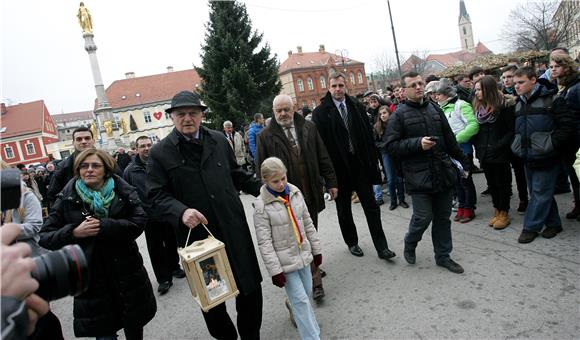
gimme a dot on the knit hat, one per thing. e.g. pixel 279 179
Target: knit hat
pixel 446 88
pixel 431 87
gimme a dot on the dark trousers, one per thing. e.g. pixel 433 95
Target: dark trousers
pixel 466 195
pixel 520 174
pixel 249 308
pixel 360 183
pixel 568 165
pixel 499 180
pixel 431 207
pixel 162 247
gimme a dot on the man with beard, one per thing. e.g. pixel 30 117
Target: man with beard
pixel 296 142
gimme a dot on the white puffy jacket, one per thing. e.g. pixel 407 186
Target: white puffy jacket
pixel 275 236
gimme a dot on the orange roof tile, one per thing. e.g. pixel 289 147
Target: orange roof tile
pixel 150 89
pixel 311 59
pixel 480 48
pixel 72 116
pixel 22 119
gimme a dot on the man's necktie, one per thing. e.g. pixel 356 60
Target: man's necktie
pixel 292 140
pixel 344 116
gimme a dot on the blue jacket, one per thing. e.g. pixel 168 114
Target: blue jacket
pixel 252 133
pixel 542 127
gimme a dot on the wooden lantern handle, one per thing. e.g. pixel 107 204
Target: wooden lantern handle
pixel 189 233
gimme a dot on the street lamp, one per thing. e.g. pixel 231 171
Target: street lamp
pixel 394 38
pixel 343 55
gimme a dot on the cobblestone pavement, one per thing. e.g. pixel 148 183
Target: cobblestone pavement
pixel 508 290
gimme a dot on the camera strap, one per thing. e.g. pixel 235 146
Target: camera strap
pixel 189 233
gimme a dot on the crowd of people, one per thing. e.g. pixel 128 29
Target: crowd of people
pixel 422 139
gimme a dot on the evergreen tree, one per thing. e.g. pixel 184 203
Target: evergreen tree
pixel 132 123
pixel 238 74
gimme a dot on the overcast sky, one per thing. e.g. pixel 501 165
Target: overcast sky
pixel 43 56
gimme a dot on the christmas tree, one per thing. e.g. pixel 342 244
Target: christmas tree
pixel 238 74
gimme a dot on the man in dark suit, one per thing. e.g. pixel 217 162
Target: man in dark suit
pixel 346 132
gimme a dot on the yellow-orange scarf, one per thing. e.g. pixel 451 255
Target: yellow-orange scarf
pixel 295 227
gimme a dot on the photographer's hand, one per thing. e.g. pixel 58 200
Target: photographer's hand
pixel 16 265
pixel 15 280
pixel 88 228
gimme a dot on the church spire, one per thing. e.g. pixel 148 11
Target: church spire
pixel 463 11
pixel 465 30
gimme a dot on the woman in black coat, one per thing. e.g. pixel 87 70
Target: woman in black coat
pixel 492 145
pixel 102 213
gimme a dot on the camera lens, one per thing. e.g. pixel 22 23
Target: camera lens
pixel 61 273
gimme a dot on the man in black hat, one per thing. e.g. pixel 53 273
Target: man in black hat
pixel 193 178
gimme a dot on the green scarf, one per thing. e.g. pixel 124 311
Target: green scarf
pixel 100 201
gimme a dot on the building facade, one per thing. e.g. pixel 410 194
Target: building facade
pixel 304 75
pixel 25 130
pixel 138 103
pixel 567 16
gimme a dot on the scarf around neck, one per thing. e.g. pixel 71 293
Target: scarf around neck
pixel 284 198
pixel 100 200
pixel 484 116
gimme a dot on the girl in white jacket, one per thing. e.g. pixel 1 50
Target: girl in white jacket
pixel 288 242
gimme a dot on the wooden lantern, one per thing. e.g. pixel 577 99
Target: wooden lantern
pixel 208 272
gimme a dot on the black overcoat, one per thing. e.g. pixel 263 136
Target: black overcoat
pixel 119 293
pixel 272 142
pixel 172 188
pixel 334 134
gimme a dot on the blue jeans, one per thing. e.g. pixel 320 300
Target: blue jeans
pixel 426 208
pixel 298 288
pixel 542 207
pixel 394 183
pixel 465 188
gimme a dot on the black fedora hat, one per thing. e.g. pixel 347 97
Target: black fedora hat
pixel 185 99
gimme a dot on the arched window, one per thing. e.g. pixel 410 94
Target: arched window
pixel 352 78
pixel 300 84
pixel 464 31
pixel 322 82
pixel 360 78
pixel 310 84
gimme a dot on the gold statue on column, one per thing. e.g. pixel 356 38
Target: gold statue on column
pixel 108 127
pixel 124 126
pixel 94 131
pixel 85 19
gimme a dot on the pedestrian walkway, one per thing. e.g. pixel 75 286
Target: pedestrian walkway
pixel 508 290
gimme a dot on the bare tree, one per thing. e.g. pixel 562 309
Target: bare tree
pixel 539 25
pixel 385 67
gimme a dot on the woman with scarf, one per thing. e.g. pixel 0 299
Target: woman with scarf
pixel 495 115
pixel 101 213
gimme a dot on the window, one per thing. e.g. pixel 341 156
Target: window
pixel 30 150
pixel 360 78
pixel 9 152
pixel 465 42
pixel 147 116
pixel 310 84
pixel 154 138
pixel 64 154
pixel 313 104
pixel 464 31
pixel 300 84
pixel 322 82
pixel 352 78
